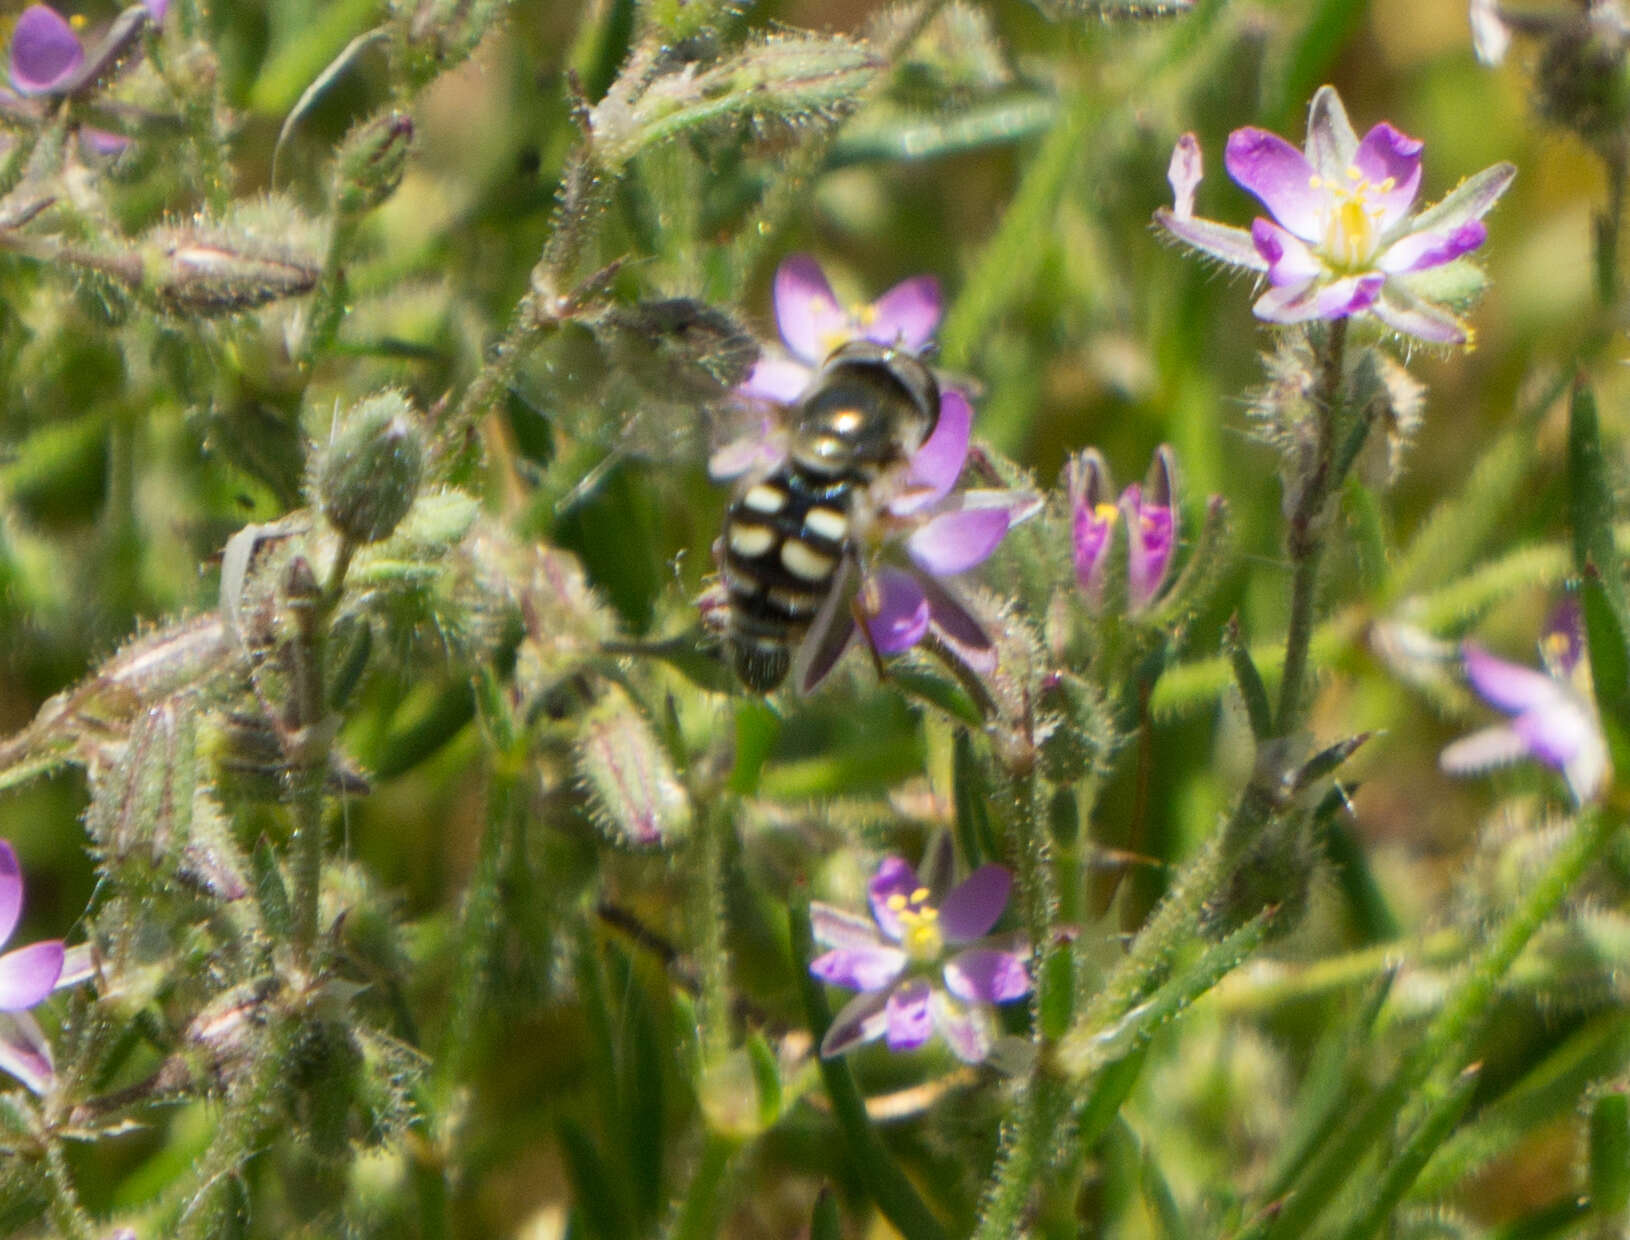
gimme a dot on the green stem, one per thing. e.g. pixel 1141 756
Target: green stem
pixel 713 1014
pixel 1026 1148
pixel 67 1215
pixel 699 1214
pixel 1304 540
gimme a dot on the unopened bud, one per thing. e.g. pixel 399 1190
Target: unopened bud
pixel 368 474
pixel 441 33
pixel 192 272
pixel 371 161
pixel 633 792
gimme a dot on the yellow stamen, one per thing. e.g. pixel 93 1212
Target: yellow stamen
pixel 1107 513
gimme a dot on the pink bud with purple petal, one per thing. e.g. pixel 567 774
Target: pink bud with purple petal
pixel 923 963
pixel 1147 511
pixel 1343 238
pixel 1553 714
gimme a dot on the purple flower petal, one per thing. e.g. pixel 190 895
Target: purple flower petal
pixel 156 9
pixel 807 311
pixel 1408 314
pixel 1151 537
pixel 836 927
pixel 907 314
pixel 1483 751
pixel 1386 155
pixel 965 1030
pixel 11 890
pixel 898 611
pixel 893 878
pixel 1290 260
pixel 1184 174
pixel 1222 242
pixel 1278 174
pixel 1332 301
pixel 975 904
pixel 956 541
pixel 45 52
pixel 1564 642
pixel 1093 519
pixel 101 142
pixel 1418 251
pixel 1556 735
pixel 862 1019
pixel 937 465
pixel 910 1020
pixel 24 1052
pixel 1510 686
pixel 866 968
pixel 986 975
pixel 779 380
pixel 28 974
pixel 1331 142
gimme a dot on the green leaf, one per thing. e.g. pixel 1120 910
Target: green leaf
pixel 270 893
pixel 1610 1156
pixel 1249 681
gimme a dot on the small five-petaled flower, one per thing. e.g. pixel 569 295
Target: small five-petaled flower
pixel 1553 713
pixel 922 963
pixel 1344 239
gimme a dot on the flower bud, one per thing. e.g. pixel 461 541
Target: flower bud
pixel 368 473
pixel 201 271
pixel 371 161
pixel 634 794
pixel 442 33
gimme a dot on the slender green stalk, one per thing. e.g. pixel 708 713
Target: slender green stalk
pixel 1305 538
pixel 1026 1146
pixel 708 918
pixel 67 1215
pixel 1443 1113
pixel 700 1212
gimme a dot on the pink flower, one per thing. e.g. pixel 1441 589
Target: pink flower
pixel 1149 514
pixel 1553 715
pixel 812 324
pixel 912 983
pixel 1344 238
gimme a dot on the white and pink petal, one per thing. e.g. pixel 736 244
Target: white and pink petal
pixel 907 314
pixel 987 975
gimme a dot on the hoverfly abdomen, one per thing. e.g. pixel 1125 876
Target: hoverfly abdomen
pixel 787 535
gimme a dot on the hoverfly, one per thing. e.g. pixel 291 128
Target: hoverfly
pixel 793 537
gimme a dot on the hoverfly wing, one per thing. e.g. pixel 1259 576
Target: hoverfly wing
pixel 957 626
pixel 830 632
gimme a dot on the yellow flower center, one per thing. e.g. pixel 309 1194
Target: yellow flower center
pixel 919 925
pixel 1106 512
pixel 861 316
pixel 1352 218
